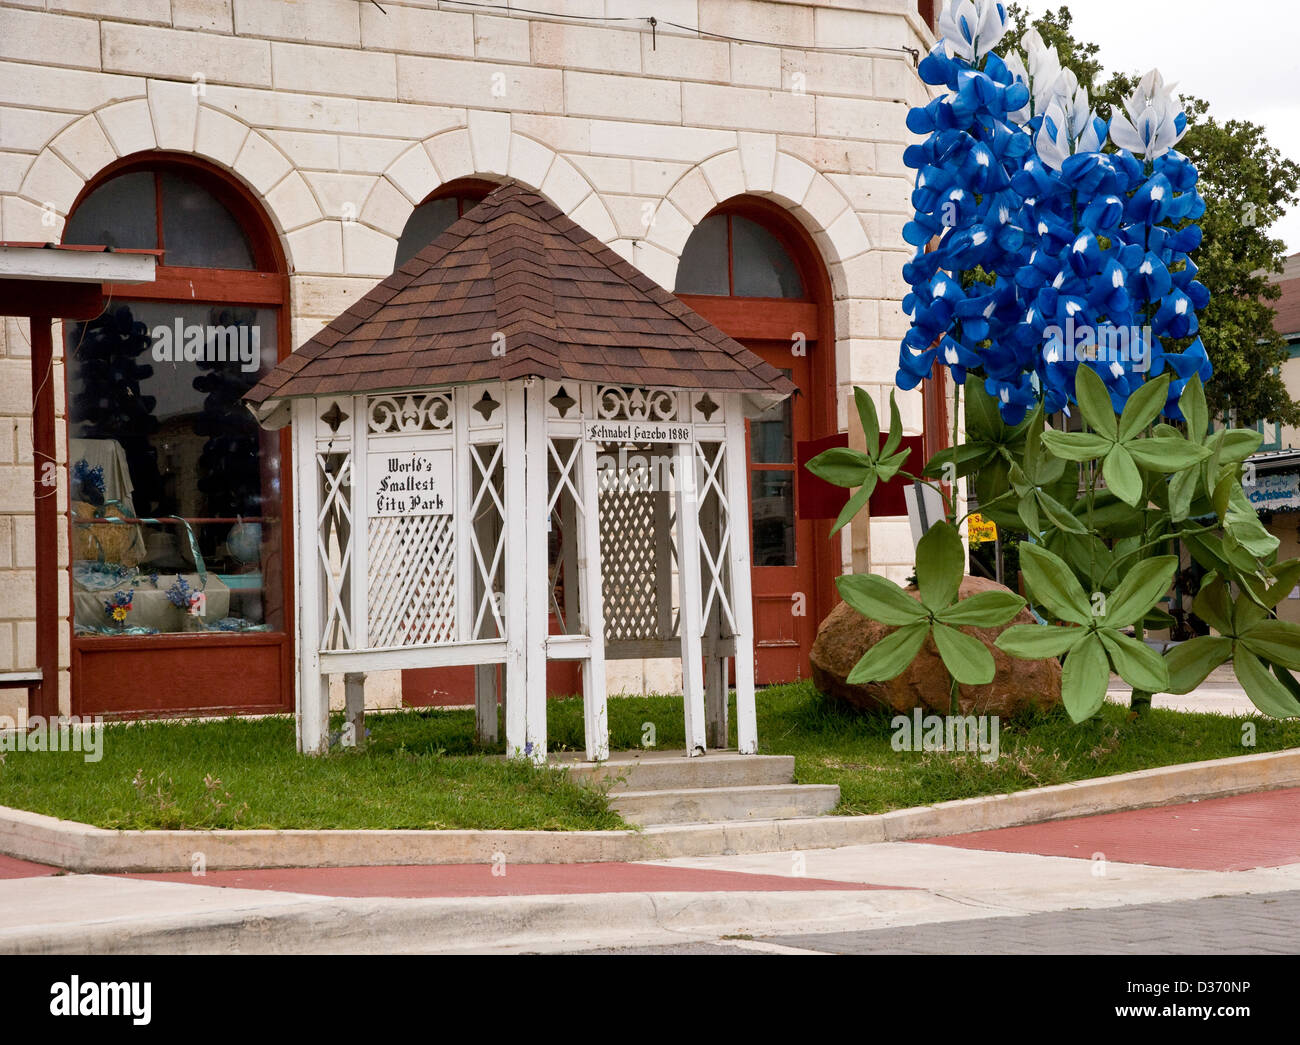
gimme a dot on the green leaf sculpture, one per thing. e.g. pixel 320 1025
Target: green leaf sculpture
pixel 940 566
pixel 1249 637
pixel 1120 442
pixel 990 450
pixel 1091 637
pixel 1035 481
pixel 842 466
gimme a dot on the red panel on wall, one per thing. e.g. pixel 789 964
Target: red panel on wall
pixel 819 499
pixel 122 677
pixel 887 498
pixel 454 687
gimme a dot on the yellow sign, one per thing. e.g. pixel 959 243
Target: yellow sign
pixel 980 529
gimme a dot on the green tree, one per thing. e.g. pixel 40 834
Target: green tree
pixel 1247 185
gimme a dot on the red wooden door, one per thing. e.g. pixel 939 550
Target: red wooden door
pixel 782 546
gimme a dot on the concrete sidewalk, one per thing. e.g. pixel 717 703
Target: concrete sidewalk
pixel 1219 694
pixel 1155 856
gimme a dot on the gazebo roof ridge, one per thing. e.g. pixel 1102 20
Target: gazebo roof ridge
pixel 441 318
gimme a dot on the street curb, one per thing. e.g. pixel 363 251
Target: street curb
pixel 81 848
pixel 382 925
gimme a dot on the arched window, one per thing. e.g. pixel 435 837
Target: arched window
pixel 160 209
pixel 161 445
pixel 437 214
pixel 734 256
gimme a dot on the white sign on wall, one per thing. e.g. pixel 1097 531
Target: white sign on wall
pixel 636 432
pixel 1276 492
pixel 409 482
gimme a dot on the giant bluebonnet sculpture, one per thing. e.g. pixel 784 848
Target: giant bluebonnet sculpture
pixel 1053 266
pixel 1080 248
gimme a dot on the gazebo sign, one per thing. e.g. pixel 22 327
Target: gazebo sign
pixel 409 482
pixel 636 432
pixel 454 505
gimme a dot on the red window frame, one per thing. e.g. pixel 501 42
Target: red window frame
pixel 201 664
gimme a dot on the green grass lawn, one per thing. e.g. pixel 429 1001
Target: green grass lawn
pixel 418 771
pixel 422 769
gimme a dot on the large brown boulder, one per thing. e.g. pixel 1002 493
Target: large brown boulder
pixel 844 636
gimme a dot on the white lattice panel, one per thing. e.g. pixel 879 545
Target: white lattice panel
pixel 630 581
pixel 412 581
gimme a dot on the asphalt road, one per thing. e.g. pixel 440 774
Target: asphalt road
pixel 1253 924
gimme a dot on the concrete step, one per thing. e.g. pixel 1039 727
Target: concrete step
pixel 710 804
pixel 664 770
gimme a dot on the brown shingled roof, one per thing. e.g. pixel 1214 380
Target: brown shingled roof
pixel 569 307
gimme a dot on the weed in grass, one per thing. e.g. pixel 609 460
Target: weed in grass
pixel 155 796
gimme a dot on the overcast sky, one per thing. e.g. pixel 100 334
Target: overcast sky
pixel 1242 57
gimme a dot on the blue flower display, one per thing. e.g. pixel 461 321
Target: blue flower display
pixel 181 594
pixel 90 481
pixel 1046 237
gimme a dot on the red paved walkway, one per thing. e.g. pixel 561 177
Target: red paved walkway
pixel 1218 834
pixel 11 868
pixel 518 880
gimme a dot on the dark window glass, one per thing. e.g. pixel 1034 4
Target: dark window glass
pixel 427 222
pixel 120 213
pixel 703 266
pixel 771 434
pixel 761 266
pixel 772 503
pixel 175 488
pixel 198 230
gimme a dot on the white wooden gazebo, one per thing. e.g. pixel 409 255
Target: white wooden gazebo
pixel 516 449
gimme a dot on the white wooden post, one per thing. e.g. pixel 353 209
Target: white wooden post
pixel 516 572
pixel 594 706
pixel 536 581
pixel 464 535
pixel 742 606
pixel 688 569
pixel 485 703
pixel 311 690
pixel 359 604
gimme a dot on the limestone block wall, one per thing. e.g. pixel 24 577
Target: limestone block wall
pixel 341 117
